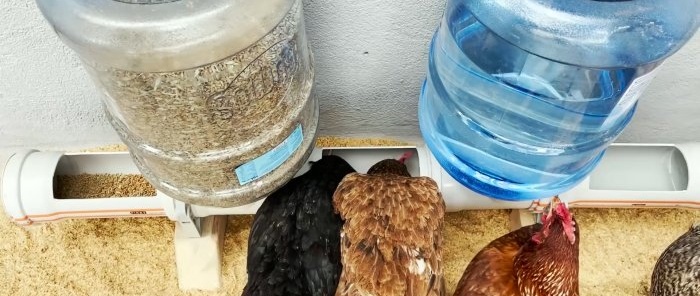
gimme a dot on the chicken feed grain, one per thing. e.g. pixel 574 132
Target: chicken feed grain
pixel 101 185
pixel 190 130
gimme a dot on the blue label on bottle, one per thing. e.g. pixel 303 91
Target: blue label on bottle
pixel 271 160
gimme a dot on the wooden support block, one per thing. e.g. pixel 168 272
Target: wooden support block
pixel 199 259
pixel 520 218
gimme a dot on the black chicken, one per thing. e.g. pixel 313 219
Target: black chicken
pixel 294 243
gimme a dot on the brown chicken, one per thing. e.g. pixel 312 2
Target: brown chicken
pixel 391 241
pixel 535 260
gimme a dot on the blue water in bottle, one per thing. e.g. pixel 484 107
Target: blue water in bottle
pixel 523 97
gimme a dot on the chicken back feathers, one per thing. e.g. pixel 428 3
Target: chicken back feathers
pixel 294 242
pixel 391 242
pixel 492 271
pixel 535 260
pixel 677 272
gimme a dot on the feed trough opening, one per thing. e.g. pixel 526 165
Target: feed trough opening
pixel 101 186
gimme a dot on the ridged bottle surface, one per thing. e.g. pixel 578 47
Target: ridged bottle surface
pixel 520 105
pixel 211 97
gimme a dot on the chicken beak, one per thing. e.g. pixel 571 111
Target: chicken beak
pixel 553 204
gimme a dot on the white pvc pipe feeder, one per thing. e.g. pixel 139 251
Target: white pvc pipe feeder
pixel 28 187
pixel 629 175
pixel 642 175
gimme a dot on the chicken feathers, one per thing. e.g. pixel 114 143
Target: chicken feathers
pixel 535 260
pixel 492 271
pixel 294 242
pixel 677 272
pixel 391 242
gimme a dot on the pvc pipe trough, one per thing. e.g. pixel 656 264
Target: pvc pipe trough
pixel 629 175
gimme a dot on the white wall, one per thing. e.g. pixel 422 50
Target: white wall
pixel 370 61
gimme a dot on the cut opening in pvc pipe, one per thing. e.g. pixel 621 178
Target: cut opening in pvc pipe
pixel 89 186
pixel 641 168
pixel 362 159
pixel 96 163
pixel 77 177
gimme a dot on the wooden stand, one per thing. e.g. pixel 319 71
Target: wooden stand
pixel 520 218
pixel 198 259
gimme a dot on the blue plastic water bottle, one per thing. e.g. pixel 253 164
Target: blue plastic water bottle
pixel 522 97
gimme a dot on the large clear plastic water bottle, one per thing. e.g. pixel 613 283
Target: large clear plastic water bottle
pixel 523 97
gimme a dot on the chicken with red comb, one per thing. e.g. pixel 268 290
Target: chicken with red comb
pixel 535 260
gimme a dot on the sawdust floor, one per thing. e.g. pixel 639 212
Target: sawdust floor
pixel 136 256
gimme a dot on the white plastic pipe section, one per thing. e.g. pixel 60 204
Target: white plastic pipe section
pixel 27 187
pixel 630 175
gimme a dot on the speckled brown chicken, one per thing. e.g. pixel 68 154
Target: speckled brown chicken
pixel 535 260
pixel 677 272
pixel 391 241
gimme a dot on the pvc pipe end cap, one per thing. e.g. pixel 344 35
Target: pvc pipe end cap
pixel 5 174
